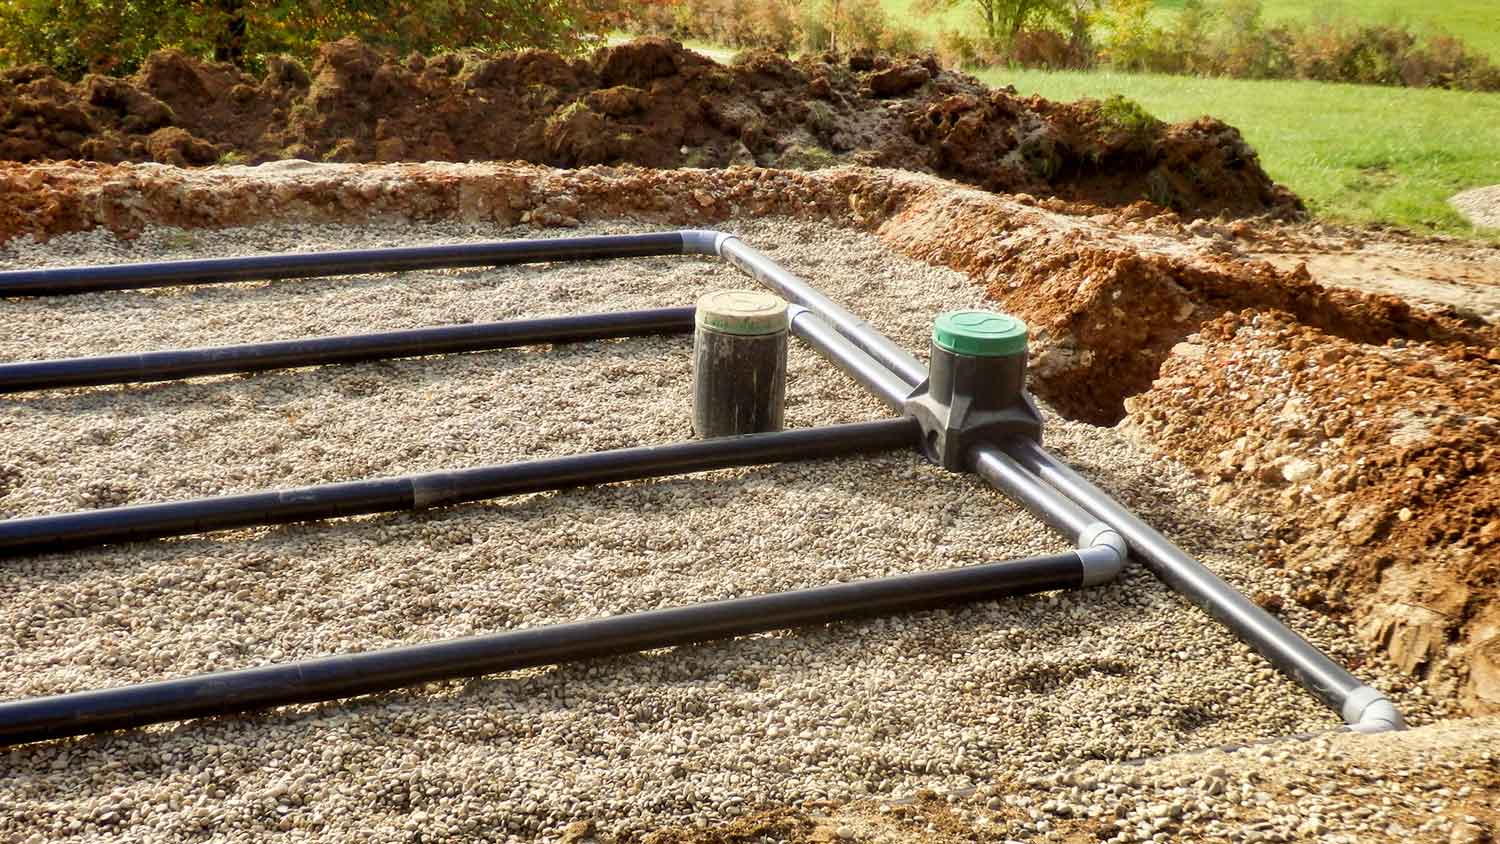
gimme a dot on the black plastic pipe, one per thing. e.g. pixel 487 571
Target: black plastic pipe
pixel 64 280
pixel 350 348
pixel 333 677
pixel 146 521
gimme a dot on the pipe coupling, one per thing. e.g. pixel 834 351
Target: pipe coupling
pixel 1103 552
pixel 703 241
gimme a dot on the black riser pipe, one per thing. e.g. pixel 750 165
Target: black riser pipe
pixel 330 678
pixel 351 348
pixel 147 521
pixel 67 280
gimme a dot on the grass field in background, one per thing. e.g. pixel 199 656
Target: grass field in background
pixel 1354 153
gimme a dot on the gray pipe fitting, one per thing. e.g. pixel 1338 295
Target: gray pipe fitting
pixel 702 241
pixel 1103 552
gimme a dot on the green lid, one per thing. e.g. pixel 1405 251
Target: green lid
pixel 742 312
pixel 979 333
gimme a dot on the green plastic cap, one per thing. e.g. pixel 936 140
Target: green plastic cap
pixel 985 334
pixel 744 312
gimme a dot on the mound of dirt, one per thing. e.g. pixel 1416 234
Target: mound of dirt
pixel 1383 465
pixel 649 102
pixel 1364 425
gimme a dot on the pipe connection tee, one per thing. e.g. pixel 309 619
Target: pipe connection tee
pixel 976 386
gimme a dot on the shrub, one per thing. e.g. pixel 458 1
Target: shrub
pixel 862 26
pixel 78 36
pixel 1230 39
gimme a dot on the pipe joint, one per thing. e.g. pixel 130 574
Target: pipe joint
pixel 703 241
pixel 1103 552
pixel 1366 710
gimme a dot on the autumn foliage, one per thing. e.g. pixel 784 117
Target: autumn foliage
pixel 75 37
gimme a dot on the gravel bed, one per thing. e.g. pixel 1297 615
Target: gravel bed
pixel 1480 206
pixel 939 700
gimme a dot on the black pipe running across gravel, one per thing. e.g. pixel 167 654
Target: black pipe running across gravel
pixel 333 677
pixel 350 348
pixel 64 280
pixel 147 521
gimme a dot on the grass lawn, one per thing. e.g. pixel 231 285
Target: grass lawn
pixel 1355 154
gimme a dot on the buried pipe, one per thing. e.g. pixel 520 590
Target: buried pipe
pixel 147 521
pixel 68 280
pixel 351 348
pixel 333 677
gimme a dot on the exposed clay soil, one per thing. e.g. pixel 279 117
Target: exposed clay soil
pixel 649 102
pixel 1364 424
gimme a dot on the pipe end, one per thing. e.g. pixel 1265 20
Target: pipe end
pixel 703 241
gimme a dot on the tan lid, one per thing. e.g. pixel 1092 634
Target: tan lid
pixel 741 312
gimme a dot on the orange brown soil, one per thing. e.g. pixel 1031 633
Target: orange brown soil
pixel 1366 424
pixel 650 103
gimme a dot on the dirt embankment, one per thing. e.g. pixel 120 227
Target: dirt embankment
pixel 1383 462
pixel 1364 424
pixel 649 102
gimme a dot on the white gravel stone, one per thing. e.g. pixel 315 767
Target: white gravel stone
pixel 938 700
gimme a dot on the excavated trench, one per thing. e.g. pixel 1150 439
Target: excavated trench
pixel 1361 424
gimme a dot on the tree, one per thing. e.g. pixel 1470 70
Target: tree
pixel 79 36
pixel 1003 19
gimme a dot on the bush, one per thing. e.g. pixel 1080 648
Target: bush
pixel 1229 39
pixel 1389 55
pixel 780 25
pixel 79 36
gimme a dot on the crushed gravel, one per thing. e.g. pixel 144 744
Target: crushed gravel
pixel 940 700
pixel 1480 206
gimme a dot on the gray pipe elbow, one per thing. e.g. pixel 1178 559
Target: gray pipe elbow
pixel 1103 552
pixel 1366 710
pixel 703 241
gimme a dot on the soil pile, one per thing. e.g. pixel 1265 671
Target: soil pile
pixel 1383 462
pixel 649 102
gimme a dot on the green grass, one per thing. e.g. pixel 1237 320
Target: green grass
pixel 961 18
pixel 1355 154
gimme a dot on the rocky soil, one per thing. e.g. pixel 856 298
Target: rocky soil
pixel 1439 784
pixel 648 102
